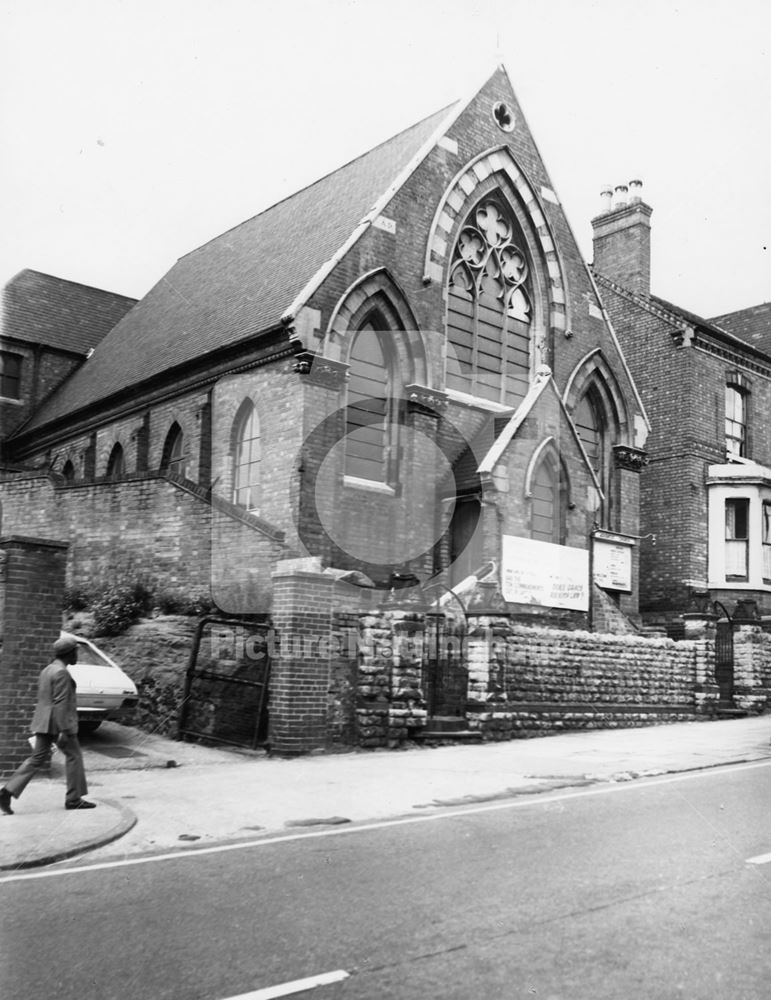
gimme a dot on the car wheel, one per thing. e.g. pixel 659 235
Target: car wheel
pixel 90 726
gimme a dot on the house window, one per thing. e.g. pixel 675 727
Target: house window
pixel 174 458
pixel 735 422
pixel 548 517
pixel 368 414
pixel 10 375
pixel 737 520
pixel 68 471
pixel 489 311
pixel 116 464
pixel 766 541
pixel 246 480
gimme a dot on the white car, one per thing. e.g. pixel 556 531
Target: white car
pixel 103 690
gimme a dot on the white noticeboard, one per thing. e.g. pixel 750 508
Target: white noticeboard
pixel 613 564
pixel 552 576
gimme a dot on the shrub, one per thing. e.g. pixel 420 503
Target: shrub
pixel 120 605
pixel 76 599
pixel 175 602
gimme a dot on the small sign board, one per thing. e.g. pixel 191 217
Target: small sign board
pixel 612 564
pixel 552 576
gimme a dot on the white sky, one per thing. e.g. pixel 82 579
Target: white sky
pixel 134 130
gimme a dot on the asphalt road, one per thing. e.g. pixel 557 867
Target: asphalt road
pixel 641 890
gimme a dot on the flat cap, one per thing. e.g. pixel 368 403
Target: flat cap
pixel 64 645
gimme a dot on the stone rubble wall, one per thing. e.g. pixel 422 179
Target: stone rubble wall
pixel 530 681
pixel 525 681
pixel 390 700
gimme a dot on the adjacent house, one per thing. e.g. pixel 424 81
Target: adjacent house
pixel 706 385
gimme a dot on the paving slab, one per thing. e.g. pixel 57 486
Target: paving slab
pixel 184 796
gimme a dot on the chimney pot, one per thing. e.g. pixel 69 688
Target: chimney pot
pixel 635 191
pixel 621 193
pixel 606 199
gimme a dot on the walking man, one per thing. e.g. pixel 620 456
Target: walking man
pixel 55 721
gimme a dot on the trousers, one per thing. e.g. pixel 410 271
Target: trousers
pixel 75 773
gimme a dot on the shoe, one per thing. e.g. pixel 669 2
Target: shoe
pixel 82 804
pixel 5 802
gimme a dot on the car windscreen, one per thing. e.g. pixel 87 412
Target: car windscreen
pixel 88 655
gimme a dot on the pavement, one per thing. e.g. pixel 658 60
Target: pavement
pixel 156 795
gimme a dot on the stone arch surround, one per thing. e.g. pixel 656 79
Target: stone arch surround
pixel 373 288
pixel 454 202
pixel 594 369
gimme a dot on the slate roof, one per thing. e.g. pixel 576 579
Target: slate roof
pixel 720 327
pixel 752 324
pixel 240 283
pixel 41 309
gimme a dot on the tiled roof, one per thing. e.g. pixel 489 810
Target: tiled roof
pixel 240 283
pixel 752 325
pixel 41 309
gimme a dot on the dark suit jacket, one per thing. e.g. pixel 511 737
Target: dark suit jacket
pixel 56 710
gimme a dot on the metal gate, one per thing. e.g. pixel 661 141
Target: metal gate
pixel 445 674
pixel 724 659
pixel 225 697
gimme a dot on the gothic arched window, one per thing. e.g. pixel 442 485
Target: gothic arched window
pixel 68 471
pixel 116 464
pixel 595 429
pixel 489 310
pixel 369 426
pixel 174 458
pixel 548 520
pixel 246 469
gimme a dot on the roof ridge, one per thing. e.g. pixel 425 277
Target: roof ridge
pixel 69 281
pixel 326 176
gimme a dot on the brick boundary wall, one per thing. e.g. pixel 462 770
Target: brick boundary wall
pixel 31 597
pixel 300 676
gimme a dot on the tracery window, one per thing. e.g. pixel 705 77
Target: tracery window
pixel 174 458
pixel 369 427
pixel 246 472
pixel 489 313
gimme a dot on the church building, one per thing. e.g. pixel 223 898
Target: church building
pixel 403 370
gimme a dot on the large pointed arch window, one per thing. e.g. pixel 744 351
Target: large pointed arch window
pixel 489 307
pixel 246 468
pixel 174 458
pixel 369 426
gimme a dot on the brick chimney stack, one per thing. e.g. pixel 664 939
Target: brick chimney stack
pixel 622 237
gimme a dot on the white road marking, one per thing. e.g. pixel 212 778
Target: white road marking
pixel 341 831
pixel 760 859
pixel 296 986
